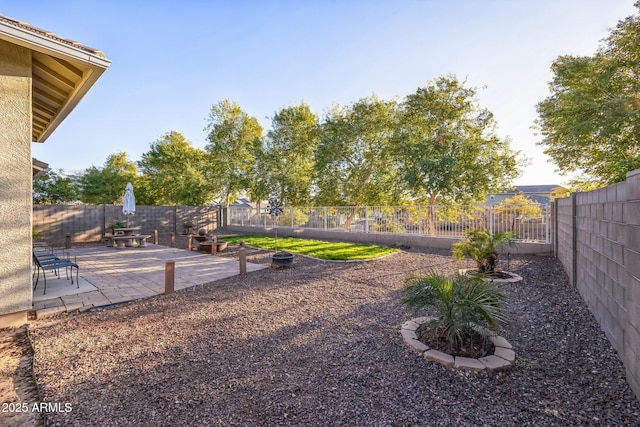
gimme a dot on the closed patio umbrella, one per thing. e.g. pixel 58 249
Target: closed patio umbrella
pixel 129 202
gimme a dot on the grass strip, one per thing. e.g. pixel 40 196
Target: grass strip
pixel 336 251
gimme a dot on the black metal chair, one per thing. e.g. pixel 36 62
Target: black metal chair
pixel 48 262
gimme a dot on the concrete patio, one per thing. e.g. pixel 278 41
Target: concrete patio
pixel 110 276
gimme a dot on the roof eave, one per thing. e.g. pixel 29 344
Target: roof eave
pixel 38 168
pixel 71 103
pixel 91 60
pixel 50 46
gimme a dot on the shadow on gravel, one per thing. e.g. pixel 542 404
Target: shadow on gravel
pixel 319 345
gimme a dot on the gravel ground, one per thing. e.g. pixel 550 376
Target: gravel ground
pixel 320 345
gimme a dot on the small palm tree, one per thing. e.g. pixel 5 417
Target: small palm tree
pixel 463 304
pixel 482 247
pixel 116 224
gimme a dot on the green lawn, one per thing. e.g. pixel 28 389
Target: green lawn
pixel 315 248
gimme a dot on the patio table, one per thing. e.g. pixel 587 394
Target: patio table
pixel 128 231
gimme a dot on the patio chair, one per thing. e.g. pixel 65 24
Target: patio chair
pixel 47 262
pixel 42 251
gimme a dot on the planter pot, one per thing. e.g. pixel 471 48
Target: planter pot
pixel 205 246
pixel 282 260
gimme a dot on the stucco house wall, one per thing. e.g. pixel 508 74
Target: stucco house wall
pixel 42 79
pixel 15 180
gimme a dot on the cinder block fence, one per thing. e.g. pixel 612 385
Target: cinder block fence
pixel 89 223
pixel 598 243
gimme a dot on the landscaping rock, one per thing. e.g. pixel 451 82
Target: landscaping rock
pixel 318 344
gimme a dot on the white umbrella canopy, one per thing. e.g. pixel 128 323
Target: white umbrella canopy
pixel 129 201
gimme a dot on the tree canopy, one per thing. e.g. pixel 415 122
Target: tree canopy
pixel 447 146
pixel 234 139
pixel 54 188
pixel 591 122
pixel 172 173
pixel 286 166
pixel 353 165
pixel 105 185
pixel 437 144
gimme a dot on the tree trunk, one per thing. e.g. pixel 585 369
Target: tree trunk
pixel 347 223
pixel 431 214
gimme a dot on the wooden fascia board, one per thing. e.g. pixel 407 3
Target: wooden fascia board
pixel 92 65
pixel 51 46
pixel 83 86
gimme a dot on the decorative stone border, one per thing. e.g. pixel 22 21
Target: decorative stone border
pixel 514 277
pixel 504 356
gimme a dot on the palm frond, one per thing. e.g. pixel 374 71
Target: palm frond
pixel 461 302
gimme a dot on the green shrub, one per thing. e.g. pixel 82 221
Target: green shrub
pixel 35 234
pixel 116 224
pixel 482 247
pixel 388 225
pixel 188 226
pixel 463 304
pixel 299 218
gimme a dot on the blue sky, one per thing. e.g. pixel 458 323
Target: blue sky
pixel 173 60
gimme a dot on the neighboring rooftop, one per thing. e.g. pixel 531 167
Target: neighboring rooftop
pixel 243 203
pixel 538 193
pixel 527 189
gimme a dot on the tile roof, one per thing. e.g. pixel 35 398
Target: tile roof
pixel 536 188
pixel 49 34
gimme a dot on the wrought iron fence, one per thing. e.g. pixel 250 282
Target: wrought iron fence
pixel 436 221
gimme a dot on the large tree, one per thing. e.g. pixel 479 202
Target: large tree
pixel 106 184
pixel 234 139
pixel 287 159
pixel 54 188
pixel 172 173
pixel 448 147
pixel 353 165
pixel 591 122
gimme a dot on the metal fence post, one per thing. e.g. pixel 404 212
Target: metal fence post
pixel 546 224
pixel 491 219
pixel 366 219
pixel 419 221
pixel 325 217
pixel 554 219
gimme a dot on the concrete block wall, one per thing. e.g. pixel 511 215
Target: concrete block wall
pixel 598 243
pixel 563 233
pixel 54 222
pixel 89 223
